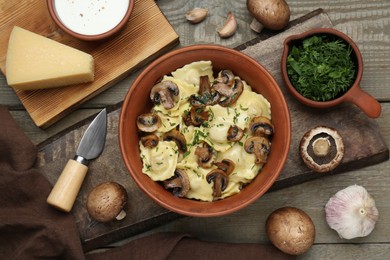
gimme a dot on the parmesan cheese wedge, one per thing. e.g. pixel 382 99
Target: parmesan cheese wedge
pixel 36 62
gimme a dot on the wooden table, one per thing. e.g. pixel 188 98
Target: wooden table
pixel 367 23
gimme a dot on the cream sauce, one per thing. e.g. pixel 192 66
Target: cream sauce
pixel 91 17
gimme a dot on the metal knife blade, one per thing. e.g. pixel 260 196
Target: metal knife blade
pixel 94 138
pixel 64 192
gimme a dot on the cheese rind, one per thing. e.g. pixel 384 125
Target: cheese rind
pixel 35 62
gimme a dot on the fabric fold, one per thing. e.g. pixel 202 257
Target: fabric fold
pixel 31 229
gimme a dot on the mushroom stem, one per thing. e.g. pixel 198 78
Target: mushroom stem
pixel 256 26
pixel 121 215
pixel 321 146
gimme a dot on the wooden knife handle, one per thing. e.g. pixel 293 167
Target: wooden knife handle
pixel 64 192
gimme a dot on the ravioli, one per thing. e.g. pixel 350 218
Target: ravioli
pixel 160 162
pixel 191 73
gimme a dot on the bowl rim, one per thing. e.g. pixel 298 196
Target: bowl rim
pixel 312 32
pixel 282 156
pixel 94 37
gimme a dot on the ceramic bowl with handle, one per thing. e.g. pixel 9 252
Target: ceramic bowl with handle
pixel 137 101
pixel 369 105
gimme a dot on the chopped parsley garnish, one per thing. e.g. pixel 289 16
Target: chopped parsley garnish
pixel 322 68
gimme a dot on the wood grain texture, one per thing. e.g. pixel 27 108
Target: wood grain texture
pixel 147 35
pixel 143 214
pixel 354 126
pixel 367 22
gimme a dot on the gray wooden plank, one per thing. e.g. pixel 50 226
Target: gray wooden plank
pixel 365 21
pixel 248 224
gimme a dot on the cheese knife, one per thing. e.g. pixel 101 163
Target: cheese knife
pixel 64 192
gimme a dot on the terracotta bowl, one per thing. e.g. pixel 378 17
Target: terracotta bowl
pixel 370 106
pixel 137 101
pixel 78 11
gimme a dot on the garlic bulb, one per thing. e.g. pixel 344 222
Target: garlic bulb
pixel 352 212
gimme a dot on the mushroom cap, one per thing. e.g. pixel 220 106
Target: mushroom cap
pixel 148 122
pixel 164 92
pixel 206 155
pixel 316 158
pixel 231 93
pixel 291 230
pixel 260 146
pixel 220 180
pixel 177 137
pixel 235 134
pixel 179 183
pixel 272 14
pixel 150 140
pixel 106 201
pixel 261 125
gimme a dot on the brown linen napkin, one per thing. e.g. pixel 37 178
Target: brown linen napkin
pixel 31 229
pixel 172 246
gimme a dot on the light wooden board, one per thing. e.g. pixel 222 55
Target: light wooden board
pixel 146 35
pixel 144 214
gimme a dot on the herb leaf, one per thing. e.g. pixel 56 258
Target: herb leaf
pixel 321 69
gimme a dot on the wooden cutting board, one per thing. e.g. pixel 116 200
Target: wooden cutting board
pixel 364 146
pixel 147 35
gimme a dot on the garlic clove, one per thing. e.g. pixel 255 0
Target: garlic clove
pixel 352 212
pixel 196 15
pixel 230 26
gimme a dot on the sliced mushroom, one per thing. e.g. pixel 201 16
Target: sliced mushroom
pixel 198 115
pixel 322 149
pixel 207 96
pixel 270 14
pixel 231 94
pixel 164 93
pixel 225 77
pixel 150 141
pixel 148 122
pixel 261 125
pixel 234 133
pixel 260 146
pixel 206 155
pixel 177 137
pixel 220 180
pixel 179 183
pixel 106 201
pixel 226 165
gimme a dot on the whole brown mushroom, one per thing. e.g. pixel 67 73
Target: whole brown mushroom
pixel 270 14
pixel 291 230
pixel 322 149
pixel 106 201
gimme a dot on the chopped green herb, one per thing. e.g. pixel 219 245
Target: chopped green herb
pixel 186 154
pixel 243 108
pixel 205 124
pixel 197 137
pixel 148 167
pixel 321 69
pixel 212 114
pixel 236 115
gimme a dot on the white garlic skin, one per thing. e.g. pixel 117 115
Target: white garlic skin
pixel 352 212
